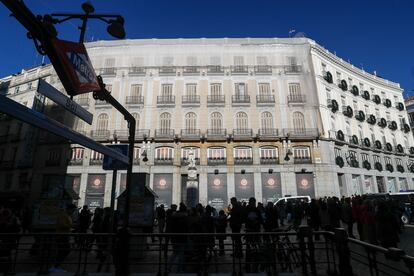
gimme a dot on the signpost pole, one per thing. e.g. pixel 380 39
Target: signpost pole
pixel 114 174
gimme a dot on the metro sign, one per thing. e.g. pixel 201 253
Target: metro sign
pixel 77 75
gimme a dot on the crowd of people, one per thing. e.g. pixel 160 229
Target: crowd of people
pixel 371 220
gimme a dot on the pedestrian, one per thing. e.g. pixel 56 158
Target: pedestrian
pixel 387 226
pixel 179 225
pixel 84 219
pixel 160 215
pixel 347 217
pixel 168 225
pixel 63 226
pixel 235 222
pixel 221 225
pixel 313 214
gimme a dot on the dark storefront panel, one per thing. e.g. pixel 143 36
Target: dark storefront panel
pixel 244 186
pixel 305 185
pixel 163 188
pixel 217 190
pixel 271 187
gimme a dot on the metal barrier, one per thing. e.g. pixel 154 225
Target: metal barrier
pixel 303 252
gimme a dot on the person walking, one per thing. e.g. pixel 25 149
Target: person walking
pixel 160 215
pixel 387 226
pixel 235 222
pixel 221 225
pixel 347 217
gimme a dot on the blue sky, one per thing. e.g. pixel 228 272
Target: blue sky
pixel 376 35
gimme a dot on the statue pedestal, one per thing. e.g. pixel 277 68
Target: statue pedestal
pixel 192 193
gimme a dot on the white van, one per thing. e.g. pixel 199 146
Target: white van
pixel 293 199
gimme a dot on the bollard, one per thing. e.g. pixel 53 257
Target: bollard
pixel 341 241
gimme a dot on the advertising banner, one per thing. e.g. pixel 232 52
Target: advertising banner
pixel 305 185
pixel 96 184
pixel 271 187
pixel 163 188
pixel 94 202
pixel 217 191
pixel 244 186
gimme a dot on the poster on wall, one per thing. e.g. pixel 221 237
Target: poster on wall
pixel 217 191
pixel 96 184
pixel 271 187
pixel 163 188
pixel 94 202
pixel 244 186
pixel 305 185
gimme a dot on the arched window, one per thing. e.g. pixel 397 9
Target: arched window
pixel 298 122
pixel 190 121
pixel 267 120
pixel 269 155
pixel 164 155
pixel 242 155
pixel 301 155
pixel 241 120
pixel 102 123
pixel 216 155
pixel 79 125
pixel 216 121
pixel 165 121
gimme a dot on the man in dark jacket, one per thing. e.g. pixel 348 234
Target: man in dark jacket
pixel 179 225
pixel 236 220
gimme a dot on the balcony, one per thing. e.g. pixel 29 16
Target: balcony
pixel 296 99
pixel 242 134
pixel 164 161
pixel 167 71
pixel 167 134
pixel 100 135
pixel 96 162
pixel 142 134
pixel 134 99
pixel 184 161
pixel 110 71
pixel 216 161
pixel 306 160
pixel 269 161
pixel 5 165
pixel 75 162
pixel 52 163
pixel 123 134
pixel 216 100
pixel 190 134
pixel 243 161
pixel 263 70
pixel 301 133
pixel 240 99
pixel 193 100
pixel 82 101
pixel 293 69
pixel 191 70
pixel 265 100
pixel 268 132
pixel 136 71
pixel 166 100
pixel 216 134
pixel 99 103
pixel 215 70
pixel 239 70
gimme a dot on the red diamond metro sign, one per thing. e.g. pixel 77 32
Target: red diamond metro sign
pixel 79 76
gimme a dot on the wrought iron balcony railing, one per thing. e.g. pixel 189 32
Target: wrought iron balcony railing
pixel 136 71
pixel 161 100
pixel 103 134
pixel 297 98
pixel 193 99
pixel 261 99
pixel 164 161
pixel 215 70
pixel 306 160
pixel 184 161
pixel 293 69
pixel 76 162
pixel 263 69
pixel 216 133
pixel 167 70
pixel 191 70
pixel 268 132
pixel 109 71
pixel 95 162
pixel 164 133
pixel 301 133
pixel 240 99
pixel 239 69
pixel 242 132
pixel 134 99
pixel 190 133
pixel 216 99
pixel 269 161
pixel 243 160
pixel 216 161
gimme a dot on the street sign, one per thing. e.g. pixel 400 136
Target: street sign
pixel 110 163
pixel 79 75
pixel 59 98
pixel 40 120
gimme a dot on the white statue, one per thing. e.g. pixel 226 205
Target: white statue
pixel 191 159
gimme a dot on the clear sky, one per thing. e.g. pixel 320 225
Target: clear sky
pixel 376 35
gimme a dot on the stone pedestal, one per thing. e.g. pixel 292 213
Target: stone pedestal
pixel 192 193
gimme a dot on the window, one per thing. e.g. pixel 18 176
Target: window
pixel 241 120
pixel 398 161
pixel 298 121
pixel 365 157
pixel 136 90
pixel 261 60
pixel 269 153
pixel 168 61
pixel 53 157
pixel 137 153
pixel 338 152
pixel 264 89
pixel 216 121
pixel 343 101
pixel 377 158
pixel 240 90
pixel 166 90
pixel 185 153
pixel 267 120
pixel 216 153
pixel 292 61
pixel 77 153
pixel 387 160
pixel 238 60
pixel 294 89
pixel 192 61
pixel 338 77
pixel 301 153
pixel 165 121
pixel 243 153
pixel 164 153
pixel 190 121
pixel 215 89
pixel 191 90
pixel 356 106
pixel 109 63
pixel 96 155
pixel 353 155
pixel 102 123
pixel 328 94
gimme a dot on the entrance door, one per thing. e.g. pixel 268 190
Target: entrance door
pixel 381 184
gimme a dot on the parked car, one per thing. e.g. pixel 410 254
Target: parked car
pixel 293 199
